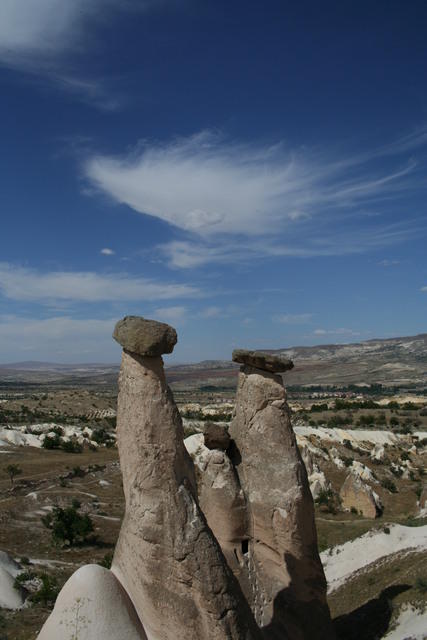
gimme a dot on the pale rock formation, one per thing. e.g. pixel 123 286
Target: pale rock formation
pixel 166 557
pixel 308 460
pixel 281 565
pixel 93 605
pixel 179 573
pixel 318 483
pixel 360 470
pixel 9 564
pixel 355 494
pixel 316 478
pixel 10 598
pixel 378 453
pixel 221 499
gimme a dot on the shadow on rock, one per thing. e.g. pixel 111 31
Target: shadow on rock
pixel 370 621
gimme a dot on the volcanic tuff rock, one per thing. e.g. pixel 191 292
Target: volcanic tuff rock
pixel 281 562
pixel 175 576
pixel 216 436
pixel 93 605
pixel 167 557
pixel 221 499
pixel 355 494
pixel 145 337
pixel 276 363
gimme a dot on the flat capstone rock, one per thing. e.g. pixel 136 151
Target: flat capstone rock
pixel 145 337
pixel 274 363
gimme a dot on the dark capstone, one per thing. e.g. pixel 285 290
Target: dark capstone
pixel 216 436
pixel 145 337
pixel 275 363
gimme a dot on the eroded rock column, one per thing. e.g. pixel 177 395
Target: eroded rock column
pixel 166 558
pixel 220 495
pixel 280 557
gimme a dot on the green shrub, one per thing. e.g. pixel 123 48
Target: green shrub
pixel 71 446
pixel 102 437
pixel 78 472
pixel 52 442
pixel 421 584
pixel 389 485
pixel 12 471
pixel 68 526
pixel 328 500
pixel 106 560
pixel 48 592
pixel 319 407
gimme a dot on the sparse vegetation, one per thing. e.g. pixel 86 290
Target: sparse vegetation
pixel 328 500
pixel 389 485
pixel 68 526
pixel 12 471
pixel 421 584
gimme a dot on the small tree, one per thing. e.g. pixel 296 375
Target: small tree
pixel 68 525
pixel 12 471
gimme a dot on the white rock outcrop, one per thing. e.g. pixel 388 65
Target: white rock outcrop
pixel 93 605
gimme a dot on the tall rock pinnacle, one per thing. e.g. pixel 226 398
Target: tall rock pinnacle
pixel 167 558
pixel 287 585
pixel 170 578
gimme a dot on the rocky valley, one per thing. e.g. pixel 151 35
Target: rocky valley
pixel 362 454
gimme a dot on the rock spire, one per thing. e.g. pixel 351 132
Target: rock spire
pixel 221 550
pixel 287 586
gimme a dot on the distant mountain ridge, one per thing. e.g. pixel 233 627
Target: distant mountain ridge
pixel 397 361
pixel 387 360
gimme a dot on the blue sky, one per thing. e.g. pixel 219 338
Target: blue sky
pixel 253 173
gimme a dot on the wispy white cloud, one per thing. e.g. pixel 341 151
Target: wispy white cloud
pixel 59 337
pixel 312 242
pixel 215 186
pixel 107 252
pixel 336 332
pixel 292 318
pixel 20 283
pixel 170 314
pixel 210 312
pixel 38 36
pixel 388 263
pixel 423 288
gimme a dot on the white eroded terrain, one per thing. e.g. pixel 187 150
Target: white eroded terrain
pixel 343 561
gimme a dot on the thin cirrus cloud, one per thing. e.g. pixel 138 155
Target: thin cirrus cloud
pixel 171 314
pixel 59 338
pixel 20 283
pixel 342 331
pixel 39 37
pixel 232 198
pixel 189 254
